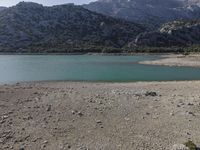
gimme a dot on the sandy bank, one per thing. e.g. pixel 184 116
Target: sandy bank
pixel 94 116
pixel 176 60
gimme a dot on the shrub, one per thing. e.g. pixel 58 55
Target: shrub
pixel 190 145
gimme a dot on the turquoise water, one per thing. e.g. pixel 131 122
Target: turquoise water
pixel 16 68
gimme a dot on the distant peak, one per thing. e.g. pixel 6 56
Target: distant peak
pixel 28 4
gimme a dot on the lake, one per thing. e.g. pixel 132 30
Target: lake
pixel 16 68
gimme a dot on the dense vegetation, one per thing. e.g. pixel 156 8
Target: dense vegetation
pixel 30 27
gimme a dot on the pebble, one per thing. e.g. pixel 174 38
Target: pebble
pixel 80 114
pixel 45 142
pixel 188 133
pixel 73 112
pixel 190 113
pixel 36 99
pixel 99 121
pixel 148 93
pixel 4 117
pixel 172 114
pixel 48 108
pixel 190 104
pixel 2 121
pixel 43 146
pixel 147 113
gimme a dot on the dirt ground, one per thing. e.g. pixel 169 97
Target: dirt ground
pixel 99 116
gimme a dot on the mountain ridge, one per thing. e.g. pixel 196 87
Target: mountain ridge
pixel 150 12
pixel 176 33
pixel 33 27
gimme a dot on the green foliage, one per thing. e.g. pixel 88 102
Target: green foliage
pixel 190 145
pixel 66 28
pixel 33 28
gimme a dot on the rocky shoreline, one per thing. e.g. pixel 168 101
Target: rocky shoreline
pixel 93 116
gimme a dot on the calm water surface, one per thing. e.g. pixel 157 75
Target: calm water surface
pixel 16 68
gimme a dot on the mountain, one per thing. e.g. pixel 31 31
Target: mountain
pixel 2 8
pixel 176 33
pixel 31 27
pixel 153 13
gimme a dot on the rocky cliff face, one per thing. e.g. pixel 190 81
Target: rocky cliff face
pixel 150 12
pixel 177 33
pixel 33 27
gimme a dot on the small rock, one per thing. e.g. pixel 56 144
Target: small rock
pixel 21 148
pixel 190 113
pixel 36 99
pixel 151 94
pixel 188 133
pixel 2 121
pixel 147 113
pixel 99 121
pixel 43 146
pixel 4 117
pixel 190 104
pixel 49 108
pixel 80 114
pixel 68 146
pixel 172 114
pixel 73 112
pixel 45 142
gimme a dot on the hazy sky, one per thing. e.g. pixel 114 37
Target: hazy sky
pixel 44 2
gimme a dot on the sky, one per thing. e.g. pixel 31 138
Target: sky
pixel 8 3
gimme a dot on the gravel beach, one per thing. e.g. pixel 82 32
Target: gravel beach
pixel 99 116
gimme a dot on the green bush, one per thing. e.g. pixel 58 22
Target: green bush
pixel 190 145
